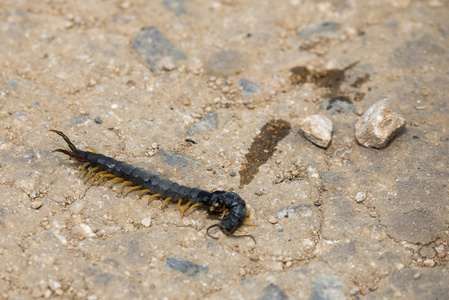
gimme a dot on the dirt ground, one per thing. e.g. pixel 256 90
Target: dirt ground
pixel 209 94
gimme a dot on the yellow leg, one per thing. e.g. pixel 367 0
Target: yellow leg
pixel 84 166
pixel 213 190
pixel 119 179
pixel 132 189
pixel 105 176
pixel 144 191
pixel 93 150
pixel 125 183
pixel 249 224
pixel 185 207
pixel 90 172
pixel 179 204
pixel 98 174
pixel 152 197
pixel 192 207
pixel 165 202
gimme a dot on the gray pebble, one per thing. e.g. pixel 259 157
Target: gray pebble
pixel 378 125
pixel 225 63
pixel 79 121
pixel 232 173
pixel 249 88
pixel 13 84
pixel 178 159
pixel 338 105
pixel 176 6
pixel 273 292
pixel 154 49
pixel 185 266
pixel 98 120
pixel 327 287
pixel 208 123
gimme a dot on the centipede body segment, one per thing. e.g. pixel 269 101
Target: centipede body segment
pixel 161 187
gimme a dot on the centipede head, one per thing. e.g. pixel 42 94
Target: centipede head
pixel 237 213
pixel 75 153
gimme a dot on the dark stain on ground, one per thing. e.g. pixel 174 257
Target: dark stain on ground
pixel 360 81
pixel 262 148
pixel 329 79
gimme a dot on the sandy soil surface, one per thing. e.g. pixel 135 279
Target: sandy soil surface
pixel 210 94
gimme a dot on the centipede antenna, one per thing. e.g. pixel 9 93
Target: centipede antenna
pixel 241 236
pixel 228 234
pixel 67 140
pixel 212 226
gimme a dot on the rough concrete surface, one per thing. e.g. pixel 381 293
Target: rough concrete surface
pixel 184 88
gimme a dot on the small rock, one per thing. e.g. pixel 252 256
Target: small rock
pixel 427 252
pixel 54 285
pixel 317 129
pixel 156 51
pixel 272 291
pixel 208 123
pixel 129 227
pixel 77 206
pixel 417 275
pixel 225 63
pixel 232 173
pixel 429 263
pixel 146 222
pixel 441 255
pixel 176 6
pixel 249 88
pixel 360 197
pixel 378 125
pixel 185 266
pixel 259 192
pixel 98 120
pixel 272 220
pixel 36 204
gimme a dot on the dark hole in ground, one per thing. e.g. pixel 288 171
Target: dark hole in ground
pixel 262 148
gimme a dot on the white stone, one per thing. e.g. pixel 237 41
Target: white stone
pixel 53 284
pixel 378 125
pixel 317 129
pixel 360 197
pixel 146 222
pixel 429 263
pixel 36 204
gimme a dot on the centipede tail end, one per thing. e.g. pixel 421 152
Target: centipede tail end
pixel 74 153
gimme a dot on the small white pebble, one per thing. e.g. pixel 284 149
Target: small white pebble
pixel 378 125
pixel 317 129
pixel 146 222
pixel 272 220
pixel 54 285
pixel 114 106
pixel 417 276
pixel 360 197
pixel 430 263
pixel 36 204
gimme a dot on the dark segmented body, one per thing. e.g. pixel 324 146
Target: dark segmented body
pixel 165 187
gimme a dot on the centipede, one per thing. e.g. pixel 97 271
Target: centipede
pixel 100 167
